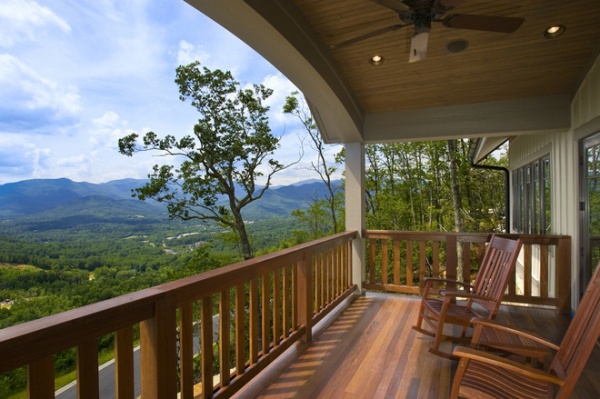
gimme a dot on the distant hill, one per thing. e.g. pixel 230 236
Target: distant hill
pixel 61 199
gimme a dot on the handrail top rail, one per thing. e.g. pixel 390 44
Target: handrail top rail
pixel 464 236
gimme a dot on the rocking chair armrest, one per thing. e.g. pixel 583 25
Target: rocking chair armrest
pixel 448 295
pixel 507 364
pixel 428 282
pixel 446 280
pixel 480 322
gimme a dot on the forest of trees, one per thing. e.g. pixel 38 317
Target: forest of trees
pixel 421 186
pixel 410 187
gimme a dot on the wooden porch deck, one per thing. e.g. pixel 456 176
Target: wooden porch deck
pixel 370 351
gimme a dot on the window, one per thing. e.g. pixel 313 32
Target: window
pixel 531 197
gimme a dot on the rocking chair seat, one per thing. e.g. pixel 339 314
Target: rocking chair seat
pixel 454 313
pixel 492 376
pixel 492 335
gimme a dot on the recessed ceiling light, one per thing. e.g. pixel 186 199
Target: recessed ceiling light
pixel 376 60
pixel 458 45
pixel 554 31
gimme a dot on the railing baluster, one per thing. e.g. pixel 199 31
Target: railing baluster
pixel 409 264
pixel 305 289
pixel 254 312
pixel 186 352
pixel 87 369
pixel 544 272
pixel 287 306
pixel 224 337
pixel 240 339
pixel 326 286
pixel 372 259
pixel 206 346
pixel 397 264
pixel 348 262
pixel 467 267
pixel 451 257
pixel 331 283
pixel 563 275
pixel 318 292
pixel 335 268
pixel 124 382
pixel 435 267
pixel 527 267
pixel 422 261
pixel 158 351
pixel 276 308
pixel 40 378
pixel 266 315
pixel 295 302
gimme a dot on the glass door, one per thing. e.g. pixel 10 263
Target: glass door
pixel 589 208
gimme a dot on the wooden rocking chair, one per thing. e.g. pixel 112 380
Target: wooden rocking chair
pixel 485 375
pixel 483 298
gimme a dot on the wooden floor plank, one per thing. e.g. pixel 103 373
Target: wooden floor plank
pixel 370 351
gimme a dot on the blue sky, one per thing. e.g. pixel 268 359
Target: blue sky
pixel 75 76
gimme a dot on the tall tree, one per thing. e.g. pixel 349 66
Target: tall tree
pixel 223 156
pixel 454 184
pixel 322 167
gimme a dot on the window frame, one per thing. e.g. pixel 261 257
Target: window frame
pixel 532 192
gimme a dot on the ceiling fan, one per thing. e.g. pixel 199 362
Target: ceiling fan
pixel 421 13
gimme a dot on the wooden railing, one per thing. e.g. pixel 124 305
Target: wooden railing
pixel 264 305
pixel 398 261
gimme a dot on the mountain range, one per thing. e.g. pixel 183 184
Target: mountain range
pixel 57 199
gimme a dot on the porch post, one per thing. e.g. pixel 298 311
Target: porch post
pixel 355 207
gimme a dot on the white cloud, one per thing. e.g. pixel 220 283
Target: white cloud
pixel 188 53
pixel 109 119
pixel 107 130
pixel 23 20
pixel 24 86
pixel 281 89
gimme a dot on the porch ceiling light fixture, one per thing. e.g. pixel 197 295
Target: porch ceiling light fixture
pixel 554 31
pixel 376 60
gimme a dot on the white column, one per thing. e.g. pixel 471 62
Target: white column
pixel 355 207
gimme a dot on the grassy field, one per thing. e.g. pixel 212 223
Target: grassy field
pixel 19 266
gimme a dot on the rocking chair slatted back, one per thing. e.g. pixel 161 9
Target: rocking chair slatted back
pixel 579 341
pixel 493 275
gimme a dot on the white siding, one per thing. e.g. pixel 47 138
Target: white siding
pixel 586 104
pixel 563 150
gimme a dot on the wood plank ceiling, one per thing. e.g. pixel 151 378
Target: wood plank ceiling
pixel 503 84
pixel 495 66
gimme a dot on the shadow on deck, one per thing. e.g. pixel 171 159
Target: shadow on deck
pixel 370 351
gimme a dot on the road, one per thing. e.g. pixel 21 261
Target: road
pixel 106 376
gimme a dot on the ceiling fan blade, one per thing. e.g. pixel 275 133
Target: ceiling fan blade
pixel 367 36
pixel 483 22
pixel 395 5
pixel 418 47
